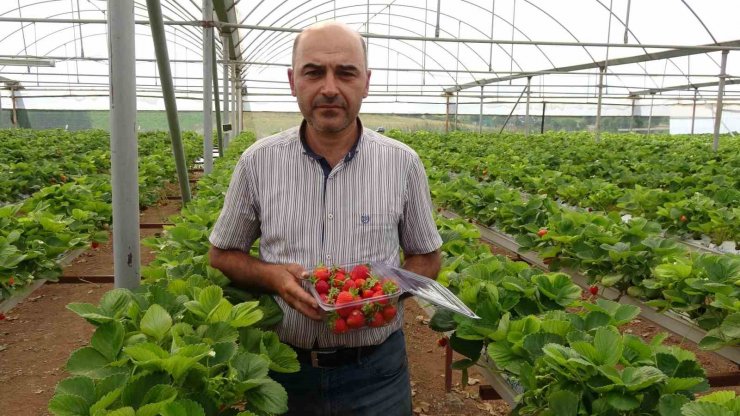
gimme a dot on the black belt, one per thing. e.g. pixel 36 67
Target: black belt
pixel 333 357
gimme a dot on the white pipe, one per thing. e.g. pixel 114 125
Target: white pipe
pixel 226 100
pixel 207 88
pixel 123 143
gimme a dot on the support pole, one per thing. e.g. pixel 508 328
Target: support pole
pixel 632 113
pixel 226 80
pixel 219 129
pixel 693 110
pixel 123 144
pixel 447 114
pixel 526 111
pixel 650 118
pixel 457 103
pixel 207 81
pixel 14 115
pixel 168 93
pixel 542 122
pixel 720 95
pixel 240 109
pixel 480 113
pixel 512 110
pixel 602 69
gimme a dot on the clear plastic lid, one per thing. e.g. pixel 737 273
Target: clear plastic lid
pixel 424 288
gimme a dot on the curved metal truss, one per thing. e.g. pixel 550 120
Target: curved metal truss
pixel 580 55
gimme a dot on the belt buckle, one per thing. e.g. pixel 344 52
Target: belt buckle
pixel 315 357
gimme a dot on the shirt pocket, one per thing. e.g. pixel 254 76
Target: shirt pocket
pixel 377 235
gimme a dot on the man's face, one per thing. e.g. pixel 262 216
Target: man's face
pixel 329 78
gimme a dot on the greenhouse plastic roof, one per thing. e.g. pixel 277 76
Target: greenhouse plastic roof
pixel 53 52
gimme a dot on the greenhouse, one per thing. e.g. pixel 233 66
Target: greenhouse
pixel 536 211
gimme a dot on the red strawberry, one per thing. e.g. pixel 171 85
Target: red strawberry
pixel 361 271
pixel 376 287
pixel 356 319
pixel 380 294
pixel 11 281
pixel 94 245
pixel 594 290
pixel 322 286
pixel 359 283
pixel 389 312
pixel 324 297
pixel 367 293
pixel 349 284
pixel 542 232
pixel 339 326
pixel 322 273
pixel 342 299
pixel 683 218
pixel 548 260
pixel 442 342
pixel 389 286
pixel 589 209
pixel 377 320
pixel 63 178
pixel 2 316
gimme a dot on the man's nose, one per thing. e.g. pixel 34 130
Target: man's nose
pixel 329 89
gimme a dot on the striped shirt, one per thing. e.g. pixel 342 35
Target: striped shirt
pixel 375 200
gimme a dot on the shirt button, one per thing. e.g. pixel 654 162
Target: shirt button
pixel 331 216
pixel 328 257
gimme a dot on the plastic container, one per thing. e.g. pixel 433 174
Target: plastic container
pixel 372 310
pixel 360 299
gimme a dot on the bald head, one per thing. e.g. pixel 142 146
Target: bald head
pixel 333 29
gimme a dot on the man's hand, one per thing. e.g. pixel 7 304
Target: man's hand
pixel 283 279
pixel 288 287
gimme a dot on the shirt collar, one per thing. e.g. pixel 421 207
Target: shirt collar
pixel 308 151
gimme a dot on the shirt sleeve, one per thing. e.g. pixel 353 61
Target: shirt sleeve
pixel 238 225
pixel 418 231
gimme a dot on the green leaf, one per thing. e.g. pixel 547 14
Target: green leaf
pixel 670 404
pixel 183 407
pixel 137 387
pixel 638 378
pixel 184 359
pixel 250 366
pixel 87 361
pixel 731 326
pixel 124 411
pixel 270 397
pixel 564 403
pixel 558 287
pixel 145 353
pixel 90 312
pixel 705 409
pixel 77 386
pixel 622 401
pixel 108 339
pixel 245 314
pixel 719 397
pixel 156 322
pixel 443 320
pixel 469 348
pixel 115 302
pixel 283 358
pixel 608 345
pixel 68 405
pixel 106 400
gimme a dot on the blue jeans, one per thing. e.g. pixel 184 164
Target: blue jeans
pixel 376 385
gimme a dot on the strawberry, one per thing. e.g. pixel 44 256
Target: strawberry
pixel 589 209
pixel 548 260
pixel 356 319
pixel 63 178
pixel 442 342
pixel 361 271
pixel 389 312
pixel 683 218
pixel 542 232
pixel 359 283
pixel 94 245
pixel 367 293
pixel 349 284
pixel 338 326
pixel 389 286
pixel 11 281
pixel 377 320
pixel 322 286
pixel 342 299
pixel 594 290
pixel 321 273
pixel 2 316
pixel 324 297
pixel 380 294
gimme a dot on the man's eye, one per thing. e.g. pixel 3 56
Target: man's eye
pixel 313 73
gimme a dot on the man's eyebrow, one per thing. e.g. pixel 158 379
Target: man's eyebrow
pixel 348 67
pixel 312 66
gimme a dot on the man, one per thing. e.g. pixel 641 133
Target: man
pixel 329 192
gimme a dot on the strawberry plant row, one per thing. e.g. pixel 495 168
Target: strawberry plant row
pixel 565 363
pixel 37 232
pixel 185 342
pixel 679 324
pixel 691 191
pixel 631 257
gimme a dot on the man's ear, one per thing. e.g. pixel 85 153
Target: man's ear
pixel 367 84
pixel 291 81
